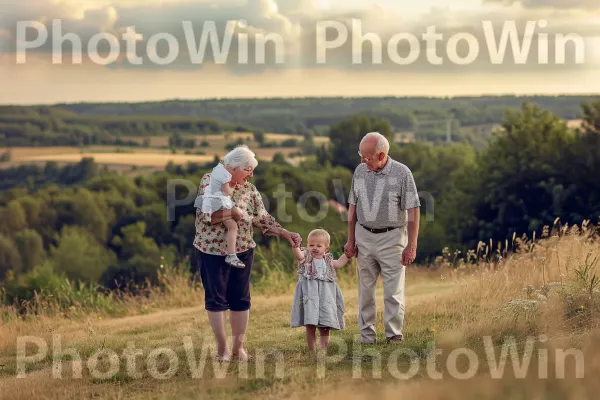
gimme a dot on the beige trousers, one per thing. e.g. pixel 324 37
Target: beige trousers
pixel 380 254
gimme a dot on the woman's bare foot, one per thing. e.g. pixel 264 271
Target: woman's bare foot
pixel 241 355
pixel 223 357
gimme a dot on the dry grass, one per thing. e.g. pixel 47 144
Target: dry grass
pixel 453 308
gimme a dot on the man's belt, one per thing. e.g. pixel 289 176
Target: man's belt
pixel 379 230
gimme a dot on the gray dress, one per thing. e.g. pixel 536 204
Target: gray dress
pixel 318 299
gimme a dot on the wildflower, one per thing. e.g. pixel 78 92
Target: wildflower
pixel 432 330
pixel 99 318
pixel 522 305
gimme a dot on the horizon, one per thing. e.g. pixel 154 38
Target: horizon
pixel 232 98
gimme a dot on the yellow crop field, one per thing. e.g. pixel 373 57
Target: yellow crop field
pixel 141 157
pixel 138 159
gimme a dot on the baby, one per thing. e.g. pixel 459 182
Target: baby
pixel 318 301
pixel 217 196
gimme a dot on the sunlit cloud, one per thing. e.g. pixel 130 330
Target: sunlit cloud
pixel 293 23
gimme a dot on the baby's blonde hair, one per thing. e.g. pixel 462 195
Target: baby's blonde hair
pixel 320 233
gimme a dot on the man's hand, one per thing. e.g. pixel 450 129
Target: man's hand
pixel 350 249
pixel 409 254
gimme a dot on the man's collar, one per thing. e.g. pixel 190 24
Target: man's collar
pixel 386 168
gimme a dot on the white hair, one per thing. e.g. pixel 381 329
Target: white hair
pixel 240 157
pixel 382 144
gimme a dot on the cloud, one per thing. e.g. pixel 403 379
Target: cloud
pixel 483 27
pixel 291 26
pixel 555 4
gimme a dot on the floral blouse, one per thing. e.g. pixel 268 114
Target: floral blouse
pixel 211 239
pixel 307 269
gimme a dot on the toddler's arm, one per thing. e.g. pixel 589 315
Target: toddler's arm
pixel 298 253
pixel 340 262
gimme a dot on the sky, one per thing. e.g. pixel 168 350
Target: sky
pixel 135 50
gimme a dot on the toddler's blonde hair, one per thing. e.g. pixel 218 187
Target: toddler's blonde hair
pixel 320 233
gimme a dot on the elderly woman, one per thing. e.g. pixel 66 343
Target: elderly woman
pixel 228 288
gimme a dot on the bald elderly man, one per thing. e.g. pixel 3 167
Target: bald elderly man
pixel 383 227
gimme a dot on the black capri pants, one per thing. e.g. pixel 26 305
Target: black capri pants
pixel 225 287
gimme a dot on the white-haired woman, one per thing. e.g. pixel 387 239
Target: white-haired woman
pixel 228 288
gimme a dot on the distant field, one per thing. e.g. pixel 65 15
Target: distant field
pixel 157 155
pixel 575 123
pixel 140 157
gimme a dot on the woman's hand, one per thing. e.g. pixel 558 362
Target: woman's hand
pixel 294 238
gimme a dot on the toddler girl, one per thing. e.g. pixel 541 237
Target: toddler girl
pixel 318 300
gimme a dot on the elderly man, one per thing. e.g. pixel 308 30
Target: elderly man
pixel 383 226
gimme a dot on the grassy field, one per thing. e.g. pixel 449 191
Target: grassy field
pixel 544 298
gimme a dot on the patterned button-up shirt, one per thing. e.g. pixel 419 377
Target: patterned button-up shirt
pixel 211 239
pixel 382 198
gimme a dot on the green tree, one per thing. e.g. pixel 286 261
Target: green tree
pixel 83 208
pixel 279 158
pixel 10 259
pixel 582 187
pixel 518 182
pixel 31 248
pixel 80 256
pixel 133 242
pixel 591 117
pixel 13 218
pixel 140 258
pixel 346 136
pixel 259 136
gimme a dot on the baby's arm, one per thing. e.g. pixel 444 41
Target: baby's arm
pixel 340 262
pixel 225 188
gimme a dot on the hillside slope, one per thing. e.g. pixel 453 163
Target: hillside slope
pixel 544 297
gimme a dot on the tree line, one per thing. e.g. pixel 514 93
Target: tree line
pixel 53 126
pixel 107 123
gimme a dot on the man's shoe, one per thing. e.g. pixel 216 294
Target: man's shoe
pixel 395 339
pixel 369 342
